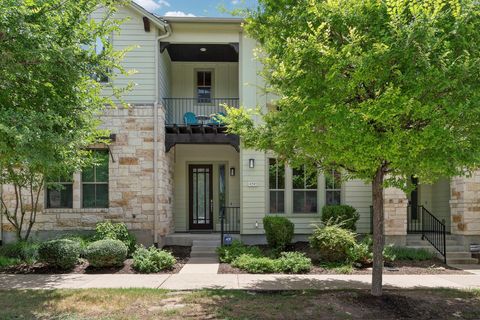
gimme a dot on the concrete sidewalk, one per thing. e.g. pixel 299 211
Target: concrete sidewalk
pixel 234 281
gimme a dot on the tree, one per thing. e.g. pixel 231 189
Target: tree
pixel 50 96
pixel 381 89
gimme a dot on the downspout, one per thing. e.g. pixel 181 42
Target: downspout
pixel 155 135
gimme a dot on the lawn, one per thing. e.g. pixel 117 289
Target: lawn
pixel 220 304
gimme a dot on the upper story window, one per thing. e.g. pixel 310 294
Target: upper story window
pixel 204 86
pixel 304 185
pixel 95 182
pixel 333 188
pixel 60 193
pixel 276 185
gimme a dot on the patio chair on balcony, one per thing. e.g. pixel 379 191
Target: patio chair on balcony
pixel 190 118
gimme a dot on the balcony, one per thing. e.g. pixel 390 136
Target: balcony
pixel 195 121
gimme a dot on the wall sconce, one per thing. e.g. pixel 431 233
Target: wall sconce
pixel 232 172
pixel 251 163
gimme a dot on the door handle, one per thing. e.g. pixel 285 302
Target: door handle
pixel 211 206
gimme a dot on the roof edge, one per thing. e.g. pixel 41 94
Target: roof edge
pixel 202 20
pixel 159 22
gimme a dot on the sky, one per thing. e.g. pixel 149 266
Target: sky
pixel 191 8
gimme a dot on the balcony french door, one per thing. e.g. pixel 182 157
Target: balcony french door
pixel 200 197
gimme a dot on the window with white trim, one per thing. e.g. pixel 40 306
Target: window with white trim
pixel 304 185
pixel 333 188
pixel 95 182
pixel 60 192
pixel 204 86
pixel 276 185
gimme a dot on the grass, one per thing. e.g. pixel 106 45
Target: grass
pixel 222 304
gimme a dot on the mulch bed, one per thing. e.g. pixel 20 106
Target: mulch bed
pixel 182 254
pixel 432 266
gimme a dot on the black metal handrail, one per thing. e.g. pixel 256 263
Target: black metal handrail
pixel 434 231
pixel 229 221
pixel 176 108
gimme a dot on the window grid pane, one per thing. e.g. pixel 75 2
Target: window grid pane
pixel 276 183
pixel 95 182
pixel 304 191
pixel 333 191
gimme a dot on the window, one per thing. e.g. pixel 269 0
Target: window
pixel 95 182
pixel 60 193
pixel 204 86
pixel 333 188
pixel 304 191
pixel 276 182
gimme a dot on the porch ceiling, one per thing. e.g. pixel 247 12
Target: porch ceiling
pixel 202 52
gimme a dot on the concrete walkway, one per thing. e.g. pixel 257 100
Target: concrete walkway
pixel 234 281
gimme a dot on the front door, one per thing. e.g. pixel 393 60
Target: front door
pixel 200 197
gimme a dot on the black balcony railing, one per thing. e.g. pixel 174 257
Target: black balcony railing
pixel 200 111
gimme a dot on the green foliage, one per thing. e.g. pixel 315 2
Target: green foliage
pixel 229 253
pixel 279 231
pixel 116 231
pixel 106 253
pixel 82 240
pixel 405 253
pixel 253 264
pixel 294 262
pixel 333 243
pixel 342 215
pixel 50 97
pixel 8 262
pixel 152 260
pixel 362 252
pixel 61 253
pixel 21 250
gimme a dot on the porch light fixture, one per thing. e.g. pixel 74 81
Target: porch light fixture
pixel 203 49
pixel 232 171
pixel 251 163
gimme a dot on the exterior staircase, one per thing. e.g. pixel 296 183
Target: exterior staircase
pixel 204 248
pixel 457 252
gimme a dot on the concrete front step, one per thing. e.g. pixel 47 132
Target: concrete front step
pixel 420 242
pixel 200 243
pixel 203 255
pixel 431 248
pixel 451 261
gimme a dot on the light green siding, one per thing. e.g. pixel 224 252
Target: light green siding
pixel 141 58
pixel 358 194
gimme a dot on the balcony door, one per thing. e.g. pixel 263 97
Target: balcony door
pixel 200 197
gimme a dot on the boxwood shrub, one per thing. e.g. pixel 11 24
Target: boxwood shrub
pixel 294 262
pixel 253 264
pixel 106 253
pixel 229 253
pixel 279 231
pixel 116 231
pixel 60 253
pixel 152 260
pixel 333 243
pixel 341 215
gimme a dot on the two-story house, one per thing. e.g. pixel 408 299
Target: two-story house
pixel 171 169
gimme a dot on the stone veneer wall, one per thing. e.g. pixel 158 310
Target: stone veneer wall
pixel 131 181
pixel 465 205
pixel 395 215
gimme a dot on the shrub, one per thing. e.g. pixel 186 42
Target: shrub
pixel 334 244
pixel 279 231
pixel 60 253
pixel 22 250
pixel 294 262
pixel 254 264
pixel 392 253
pixel 83 242
pixel 341 215
pixel 362 252
pixel 229 253
pixel 7 262
pixel 106 253
pixel 116 231
pixel 152 260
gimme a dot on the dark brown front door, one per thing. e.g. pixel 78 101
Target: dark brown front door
pixel 200 197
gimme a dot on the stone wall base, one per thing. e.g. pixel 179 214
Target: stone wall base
pixel 144 237
pixel 397 240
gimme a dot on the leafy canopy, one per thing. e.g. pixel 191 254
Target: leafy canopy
pixel 364 84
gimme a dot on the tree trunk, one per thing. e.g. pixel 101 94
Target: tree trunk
pixel 378 237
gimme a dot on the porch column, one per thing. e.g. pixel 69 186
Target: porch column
pixel 395 215
pixel 465 205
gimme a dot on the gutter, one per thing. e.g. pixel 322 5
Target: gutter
pixel 167 33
